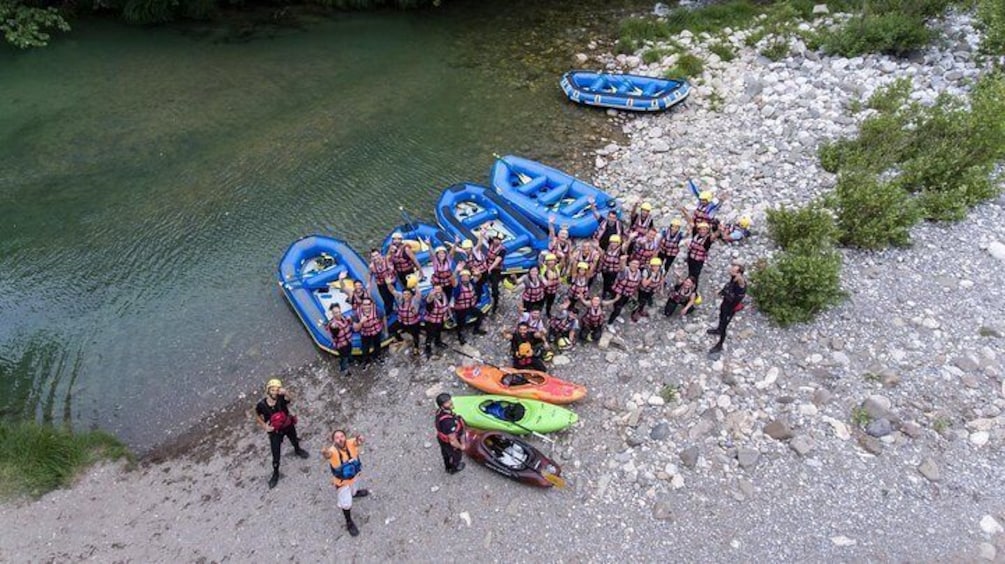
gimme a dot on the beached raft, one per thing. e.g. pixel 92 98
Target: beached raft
pixel 624 91
pixel 540 192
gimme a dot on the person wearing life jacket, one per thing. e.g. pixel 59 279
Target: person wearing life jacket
pixel 588 252
pixel 532 284
pixel 579 283
pixel 735 232
pixel 732 301
pixel 382 274
pixel 369 323
pixel 652 282
pixel 684 294
pixel 524 346
pixel 704 211
pixel 450 434
pixel 606 226
pixel 564 325
pixel 495 257
pixel 475 261
pixel 340 328
pixel 442 262
pixel 670 244
pixel 697 249
pixel 358 294
pixel 345 466
pixel 466 306
pixel 593 318
pixel 559 245
pixel 435 315
pixel 407 309
pixel 625 288
pixel 403 259
pixel 552 274
pixel 273 415
pixel 641 219
pixel 533 319
pixel 645 247
pixel 612 263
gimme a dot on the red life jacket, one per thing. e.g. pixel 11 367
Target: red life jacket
pixel 702 213
pixel 644 249
pixel 641 224
pixel 682 293
pixel 443 272
pixel 533 291
pixel 594 317
pixel 670 244
pixel 559 248
pixel 651 279
pixel 579 287
pixel 612 260
pixel 627 282
pixel 464 297
pixel 476 263
pixel 442 415
pixel 381 270
pixel 494 252
pixel 371 325
pixel 408 314
pixel 552 280
pixel 696 250
pixel 436 310
pixel 401 261
pixel 560 325
pixel 341 330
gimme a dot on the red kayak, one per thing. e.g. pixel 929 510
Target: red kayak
pixel 513 457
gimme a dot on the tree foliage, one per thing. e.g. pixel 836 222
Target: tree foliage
pixel 27 26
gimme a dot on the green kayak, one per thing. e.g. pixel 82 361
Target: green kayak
pixel 513 415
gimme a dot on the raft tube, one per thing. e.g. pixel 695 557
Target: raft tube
pixel 624 91
pixel 540 191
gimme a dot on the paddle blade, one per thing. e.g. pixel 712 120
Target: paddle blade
pixel 554 480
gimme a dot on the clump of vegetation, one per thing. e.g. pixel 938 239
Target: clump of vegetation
pixel 893 27
pixel 808 228
pixel 670 393
pixel 776 50
pixel 723 50
pixel 656 54
pixel 27 26
pixel 797 285
pixel 688 65
pixel 991 20
pixel 860 416
pixel 873 214
pixel 37 458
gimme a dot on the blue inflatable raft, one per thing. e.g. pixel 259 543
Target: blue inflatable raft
pixel 467 209
pixel 624 91
pixel 424 238
pixel 308 276
pixel 540 191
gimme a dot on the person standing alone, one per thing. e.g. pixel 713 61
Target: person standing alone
pixel 449 433
pixel 273 416
pixel 732 301
pixel 345 466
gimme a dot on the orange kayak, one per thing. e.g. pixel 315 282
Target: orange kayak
pixel 529 384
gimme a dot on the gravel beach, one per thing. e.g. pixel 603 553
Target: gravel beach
pixel 875 432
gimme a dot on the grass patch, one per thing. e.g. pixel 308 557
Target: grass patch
pixel 723 51
pixel 688 66
pixel 860 417
pixel 670 393
pixel 656 54
pixel 941 425
pixel 37 458
pixel 776 50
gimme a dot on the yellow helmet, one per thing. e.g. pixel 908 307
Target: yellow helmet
pixel 697 300
pixel 547 356
pixel 273 383
pixel 702 225
pixel 615 238
pixel 563 343
pixel 467 244
pixel 550 256
pixel 582 265
pixel 744 222
pixel 705 196
pixel 646 206
pixel 656 261
pixel 411 281
pixel 675 222
pixel 465 272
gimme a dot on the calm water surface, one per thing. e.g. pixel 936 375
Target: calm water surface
pixel 151 178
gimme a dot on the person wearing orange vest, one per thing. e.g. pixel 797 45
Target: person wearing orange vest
pixel 343 461
pixel 273 415
pixel 450 434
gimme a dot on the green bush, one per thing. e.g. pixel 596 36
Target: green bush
pixel 797 285
pixel 688 65
pixel 991 20
pixel 873 214
pixel 29 26
pixel 723 50
pixel 894 33
pixel 655 55
pixel 809 227
pixel 35 459
pixel 776 50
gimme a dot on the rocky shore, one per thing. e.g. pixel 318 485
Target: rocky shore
pixel 874 433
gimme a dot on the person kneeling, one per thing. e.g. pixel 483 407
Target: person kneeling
pixel 523 347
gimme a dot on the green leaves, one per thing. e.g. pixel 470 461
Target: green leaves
pixel 28 26
pixel 798 284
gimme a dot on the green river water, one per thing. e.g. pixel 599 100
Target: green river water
pixel 150 179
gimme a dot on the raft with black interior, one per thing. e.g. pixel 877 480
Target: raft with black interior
pixel 541 192
pixel 512 415
pixel 424 238
pixel 512 457
pixel 309 276
pixel 624 91
pixel 468 209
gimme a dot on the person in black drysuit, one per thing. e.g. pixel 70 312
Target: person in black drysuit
pixel 732 299
pixel 526 356
pixel 277 401
pixel 450 434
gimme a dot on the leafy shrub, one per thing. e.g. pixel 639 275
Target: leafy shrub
pixel 991 20
pixel 809 227
pixel 891 97
pixel 723 51
pixel 688 65
pixel 29 26
pixel 35 459
pixel 894 33
pixel 873 214
pixel 776 50
pixel 797 285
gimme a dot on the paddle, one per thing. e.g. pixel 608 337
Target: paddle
pixel 408 220
pixel 635 89
pixel 523 177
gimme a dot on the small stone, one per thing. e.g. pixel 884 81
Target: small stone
pixel 988 551
pixel 930 470
pixel 656 401
pixel 466 517
pixel 837 343
pixel 820 9
pixel 979 438
pixel 840 429
pixel 879 427
pixel 802 445
pixel 953 75
pixel 990 525
pixel 660 146
pixel 870 444
pixel 966 363
pixel 911 429
pixel 580 58
pixel 660 432
pixel 662 511
pixel 689 456
pixel 843 541
pixel 822 397
pixel 778 430
pixel 747 457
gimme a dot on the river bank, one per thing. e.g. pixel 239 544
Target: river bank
pixel 873 433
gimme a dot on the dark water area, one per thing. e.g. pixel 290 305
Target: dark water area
pixel 150 179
